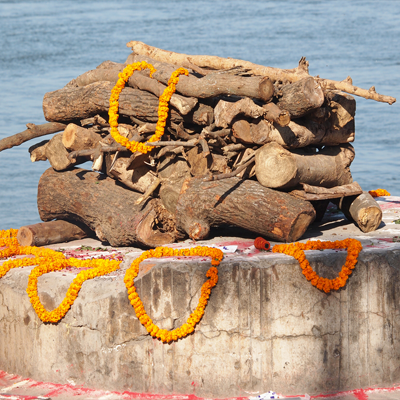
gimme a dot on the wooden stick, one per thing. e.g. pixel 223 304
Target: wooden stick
pixel 171 143
pixel 275 74
pixel 347 86
pixel 214 62
pixel 230 174
pixel 32 132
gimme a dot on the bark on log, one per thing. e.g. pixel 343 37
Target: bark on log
pixel 363 210
pixel 38 151
pixel 106 208
pixel 138 81
pixel 279 168
pixel 274 114
pixel 243 203
pixel 32 132
pixel 301 97
pixel 78 138
pixel 214 62
pixel 212 85
pixel 275 74
pixel 45 233
pixel 76 103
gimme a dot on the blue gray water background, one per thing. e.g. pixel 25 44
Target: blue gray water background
pixel 45 44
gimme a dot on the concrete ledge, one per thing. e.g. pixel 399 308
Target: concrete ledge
pixel 265 327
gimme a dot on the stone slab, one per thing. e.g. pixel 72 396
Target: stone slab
pixel 265 327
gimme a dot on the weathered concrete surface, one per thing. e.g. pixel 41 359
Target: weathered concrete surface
pixel 265 327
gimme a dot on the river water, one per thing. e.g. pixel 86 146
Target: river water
pixel 45 44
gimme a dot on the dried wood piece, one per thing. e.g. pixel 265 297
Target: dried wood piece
pixel 57 154
pixel 226 111
pixel 105 207
pixel 275 74
pixel 243 203
pixel 274 114
pixel 32 132
pixel 45 233
pixel 277 167
pixel 214 62
pixel 211 85
pixel 363 210
pixel 38 151
pixel 78 138
pixel 256 132
pixel 138 178
pixel 301 97
pixel 76 103
pixel 138 81
pixel 342 108
pixel 313 193
pixel 347 86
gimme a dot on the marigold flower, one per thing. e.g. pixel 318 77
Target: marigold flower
pixel 296 250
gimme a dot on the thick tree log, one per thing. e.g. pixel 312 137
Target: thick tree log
pixel 214 62
pixel 279 168
pixel 38 151
pixel 301 97
pixel 138 81
pixel 211 85
pixel 243 203
pixel 32 132
pixel 46 233
pixel 274 114
pixel 78 138
pixel 76 103
pixel 106 208
pixel 275 74
pixel 363 210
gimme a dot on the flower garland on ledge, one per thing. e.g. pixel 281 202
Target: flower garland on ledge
pixel 187 328
pixel 379 192
pixel 47 260
pixel 296 250
pixel 162 106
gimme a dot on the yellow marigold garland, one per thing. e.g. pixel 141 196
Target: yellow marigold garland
pixel 379 192
pixel 162 107
pixel 296 250
pixel 187 328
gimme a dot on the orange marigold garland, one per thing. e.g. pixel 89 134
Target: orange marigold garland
pixel 187 328
pixel 162 107
pixel 379 192
pixel 296 250
pixel 47 260
pixel 98 267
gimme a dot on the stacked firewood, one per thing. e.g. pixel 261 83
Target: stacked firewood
pixel 254 147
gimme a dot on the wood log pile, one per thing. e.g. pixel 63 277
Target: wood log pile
pixel 249 146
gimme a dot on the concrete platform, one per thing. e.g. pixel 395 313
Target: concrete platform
pixel 265 327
